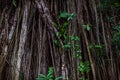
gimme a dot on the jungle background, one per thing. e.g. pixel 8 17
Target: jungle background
pixel 59 40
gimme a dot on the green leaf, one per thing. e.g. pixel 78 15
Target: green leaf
pixel 56 42
pixel 70 16
pixel 87 27
pixel 50 72
pixel 98 46
pixel 78 55
pixel 63 15
pixel 58 78
pixel 84 67
pixel 65 24
pixel 73 14
pixel 50 75
pixel 66 15
pixel 14 2
pixel 74 38
pixel 42 76
pixel 67 46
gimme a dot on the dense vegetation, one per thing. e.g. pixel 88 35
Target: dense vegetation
pixel 59 39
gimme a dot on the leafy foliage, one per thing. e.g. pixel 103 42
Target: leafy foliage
pixel 49 76
pixel 67 46
pixel 63 29
pixel 56 42
pixel 63 15
pixel 97 46
pixel 66 15
pixel 84 67
pixel 74 38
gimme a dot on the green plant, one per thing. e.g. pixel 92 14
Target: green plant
pixel 71 42
pixel 74 38
pixel 96 46
pixel 49 76
pixel 56 42
pixel 14 2
pixel 84 67
pixel 66 15
pixel 67 45
pixel 62 28
pixel 86 27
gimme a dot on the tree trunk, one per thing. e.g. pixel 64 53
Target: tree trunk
pixel 28 30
